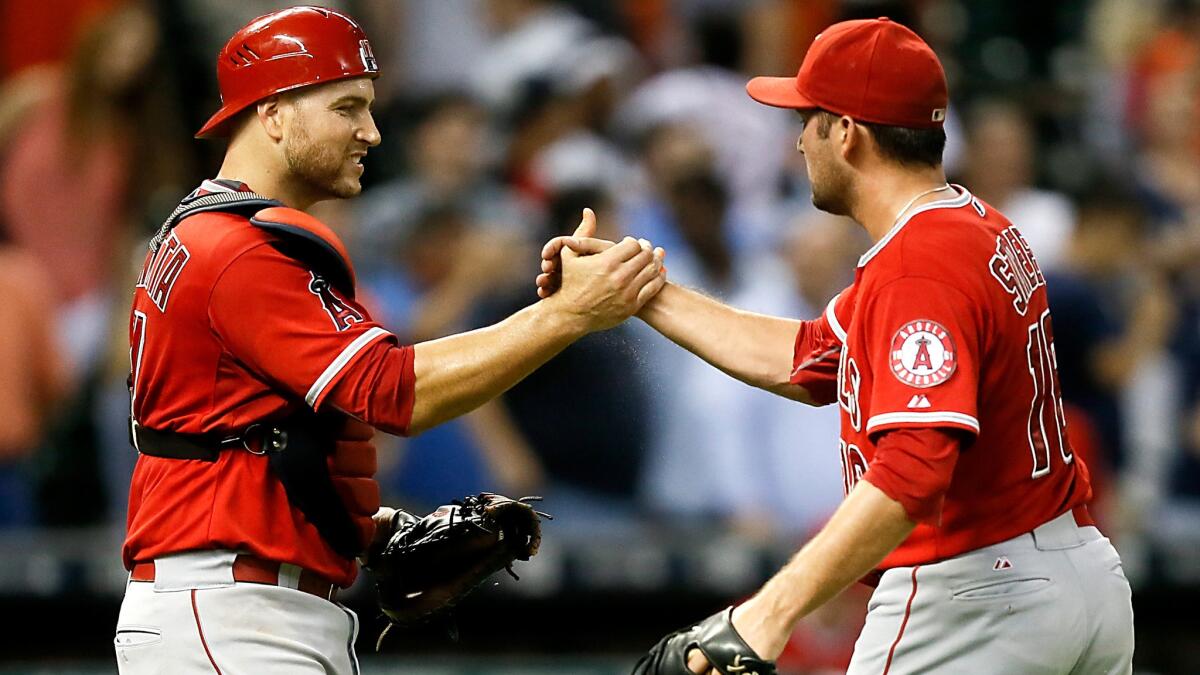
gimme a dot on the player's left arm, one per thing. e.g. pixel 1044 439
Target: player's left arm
pixel 924 342
pixel 880 512
pixel 863 530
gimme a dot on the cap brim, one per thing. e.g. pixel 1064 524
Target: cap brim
pixel 779 92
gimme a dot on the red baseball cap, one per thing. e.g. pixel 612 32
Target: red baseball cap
pixel 873 70
pixel 284 50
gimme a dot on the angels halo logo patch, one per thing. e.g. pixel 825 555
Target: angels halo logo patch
pixel 923 354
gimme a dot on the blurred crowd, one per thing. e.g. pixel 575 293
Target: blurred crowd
pixel 501 120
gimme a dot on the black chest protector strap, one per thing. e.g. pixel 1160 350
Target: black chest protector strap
pixel 296 448
pixel 242 203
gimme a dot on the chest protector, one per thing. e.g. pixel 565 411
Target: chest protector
pixel 325 461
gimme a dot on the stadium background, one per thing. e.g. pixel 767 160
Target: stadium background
pixel 676 490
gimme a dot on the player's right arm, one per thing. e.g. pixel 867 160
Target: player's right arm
pixel 754 348
pixel 284 331
pixel 790 358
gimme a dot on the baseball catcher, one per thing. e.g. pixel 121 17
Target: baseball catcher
pixel 716 638
pixel 424 566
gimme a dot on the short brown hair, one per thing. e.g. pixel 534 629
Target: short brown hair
pixel 903 145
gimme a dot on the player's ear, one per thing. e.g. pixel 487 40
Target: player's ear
pixel 270 116
pixel 846 132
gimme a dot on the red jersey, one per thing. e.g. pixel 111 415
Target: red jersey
pixel 947 327
pixel 226 331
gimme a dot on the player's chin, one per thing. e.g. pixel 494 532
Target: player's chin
pixel 346 186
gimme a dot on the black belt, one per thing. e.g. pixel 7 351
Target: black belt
pixel 206 447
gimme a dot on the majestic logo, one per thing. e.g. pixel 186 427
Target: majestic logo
pixel 342 314
pixel 162 271
pixel 1016 269
pixel 923 354
pixel 919 401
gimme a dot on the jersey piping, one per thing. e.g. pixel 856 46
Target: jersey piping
pixel 923 417
pixel 952 203
pixel 332 370
pixel 831 317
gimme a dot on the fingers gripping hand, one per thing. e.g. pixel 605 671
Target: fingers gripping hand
pixel 551 278
pixel 580 243
pixel 606 288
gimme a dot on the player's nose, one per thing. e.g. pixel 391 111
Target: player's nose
pixel 369 133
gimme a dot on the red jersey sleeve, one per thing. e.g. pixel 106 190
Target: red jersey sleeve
pixel 288 325
pixel 923 337
pixel 817 349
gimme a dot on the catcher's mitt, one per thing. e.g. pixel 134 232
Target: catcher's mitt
pixel 429 564
pixel 716 638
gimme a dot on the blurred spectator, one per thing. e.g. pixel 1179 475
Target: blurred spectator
pixel 43 33
pixel 440 271
pixel 435 44
pixel 751 142
pixel 669 152
pixel 758 461
pixel 531 39
pixel 1169 48
pixel 584 415
pixel 447 162
pixel 1166 168
pixel 94 144
pixel 559 116
pixel 1001 170
pixel 1112 319
pixel 31 376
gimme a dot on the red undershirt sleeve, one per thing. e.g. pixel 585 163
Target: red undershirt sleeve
pixel 914 467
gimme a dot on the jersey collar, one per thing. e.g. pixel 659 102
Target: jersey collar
pixel 213 186
pixel 964 197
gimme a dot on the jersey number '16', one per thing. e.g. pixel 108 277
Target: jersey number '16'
pixel 1047 425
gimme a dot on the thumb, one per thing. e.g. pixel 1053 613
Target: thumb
pixel 587 226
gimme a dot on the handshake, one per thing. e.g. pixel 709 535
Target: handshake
pixel 596 282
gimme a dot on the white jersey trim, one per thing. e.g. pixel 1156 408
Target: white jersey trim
pixel 213 186
pixel 960 201
pixel 831 317
pixel 340 362
pixel 923 418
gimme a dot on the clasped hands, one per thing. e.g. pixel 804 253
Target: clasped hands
pixel 600 281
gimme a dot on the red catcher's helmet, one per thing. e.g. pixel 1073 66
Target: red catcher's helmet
pixel 285 50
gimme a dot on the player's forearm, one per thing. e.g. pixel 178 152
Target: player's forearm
pixel 457 374
pixel 864 529
pixel 754 348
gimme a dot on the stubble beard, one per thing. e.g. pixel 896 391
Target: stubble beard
pixel 830 191
pixel 319 166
